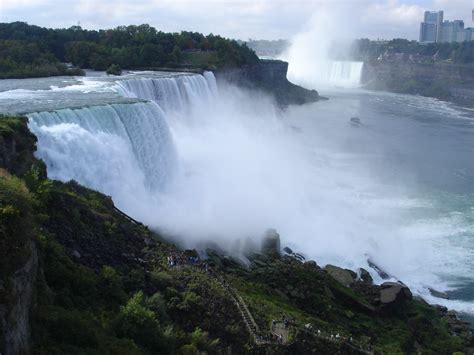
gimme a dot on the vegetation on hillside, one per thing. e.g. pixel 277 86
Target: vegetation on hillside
pixel 104 284
pixel 27 50
pixel 460 53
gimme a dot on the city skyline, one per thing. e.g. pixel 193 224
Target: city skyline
pixel 242 19
pixel 435 28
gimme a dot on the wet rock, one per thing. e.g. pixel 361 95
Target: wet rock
pixel 439 294
pixel 393 293
pixel 451 316
pixel 382 273
pixel 300 257
pixel 271 77
pixel 76 254
pixel 365 277
pixel 344 276
pixel 271 243
pixel 441 309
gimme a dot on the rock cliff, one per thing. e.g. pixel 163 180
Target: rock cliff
pixel 15 309
pixel 270 77
pixel 444 81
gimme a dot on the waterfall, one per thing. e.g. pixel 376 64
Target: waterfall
pixel 178 93
pixel 69 144
pixel 345 74
pixel 124 150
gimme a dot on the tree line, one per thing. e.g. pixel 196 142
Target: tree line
pixel 459 53
pixel 28 50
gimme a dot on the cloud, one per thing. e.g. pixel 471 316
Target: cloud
pixel 234 18
pixel 392 18
pixel 393 13
pixel 456 10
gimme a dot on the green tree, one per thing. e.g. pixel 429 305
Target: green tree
pixel 138 322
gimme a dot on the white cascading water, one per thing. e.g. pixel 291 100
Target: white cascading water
pixel 312 54
pixel 178 93
pixel 139 128
pixel 123 150
pixel 344 74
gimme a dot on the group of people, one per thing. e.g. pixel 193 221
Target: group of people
pixel 334 337
pixel 278 336
pixel 179 260
pixel 285 321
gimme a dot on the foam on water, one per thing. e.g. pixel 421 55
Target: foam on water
pixel 204 164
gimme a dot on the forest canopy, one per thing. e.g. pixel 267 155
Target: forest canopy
pixel 459 53
pixel 29 51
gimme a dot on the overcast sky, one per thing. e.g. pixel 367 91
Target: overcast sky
pixel 242 19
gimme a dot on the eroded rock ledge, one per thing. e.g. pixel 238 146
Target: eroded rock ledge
pixel 269 76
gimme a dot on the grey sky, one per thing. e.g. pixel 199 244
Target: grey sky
pixel 242 19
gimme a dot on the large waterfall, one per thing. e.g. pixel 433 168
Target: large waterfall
pixel 177 93
pixel 345 73
pixel 124 150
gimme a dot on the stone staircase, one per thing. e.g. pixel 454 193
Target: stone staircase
pixel 254 330
pixel 247 317
pixel 257 335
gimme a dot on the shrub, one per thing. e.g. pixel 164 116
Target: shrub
pixel 17 223
pixel 114 69
pixel 138 322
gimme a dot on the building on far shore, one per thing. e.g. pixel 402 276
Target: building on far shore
pixel 431 26
pixel 434 29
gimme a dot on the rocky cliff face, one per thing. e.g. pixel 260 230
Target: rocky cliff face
pixel 18 250
pixel 440 80
pixel 268 76
pixel 15 312
pixel 16 141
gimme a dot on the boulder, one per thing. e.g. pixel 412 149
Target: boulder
pixel 384 275
pixel 271 243
pixel 344 276
pixel 365 277
pixel 312 263
pixel 393 293
pixel 442 310
pixel 299 256
pixel 439 294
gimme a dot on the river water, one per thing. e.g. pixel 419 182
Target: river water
pixel 410 166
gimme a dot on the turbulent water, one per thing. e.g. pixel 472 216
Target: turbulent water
pixel 204 163
pixel 326 73
pixel 344 74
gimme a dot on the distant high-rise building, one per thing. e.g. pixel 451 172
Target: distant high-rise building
pixel 469 34
pixel 434 29
pixel 427 32
pixel 452 31
pixel 430 27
